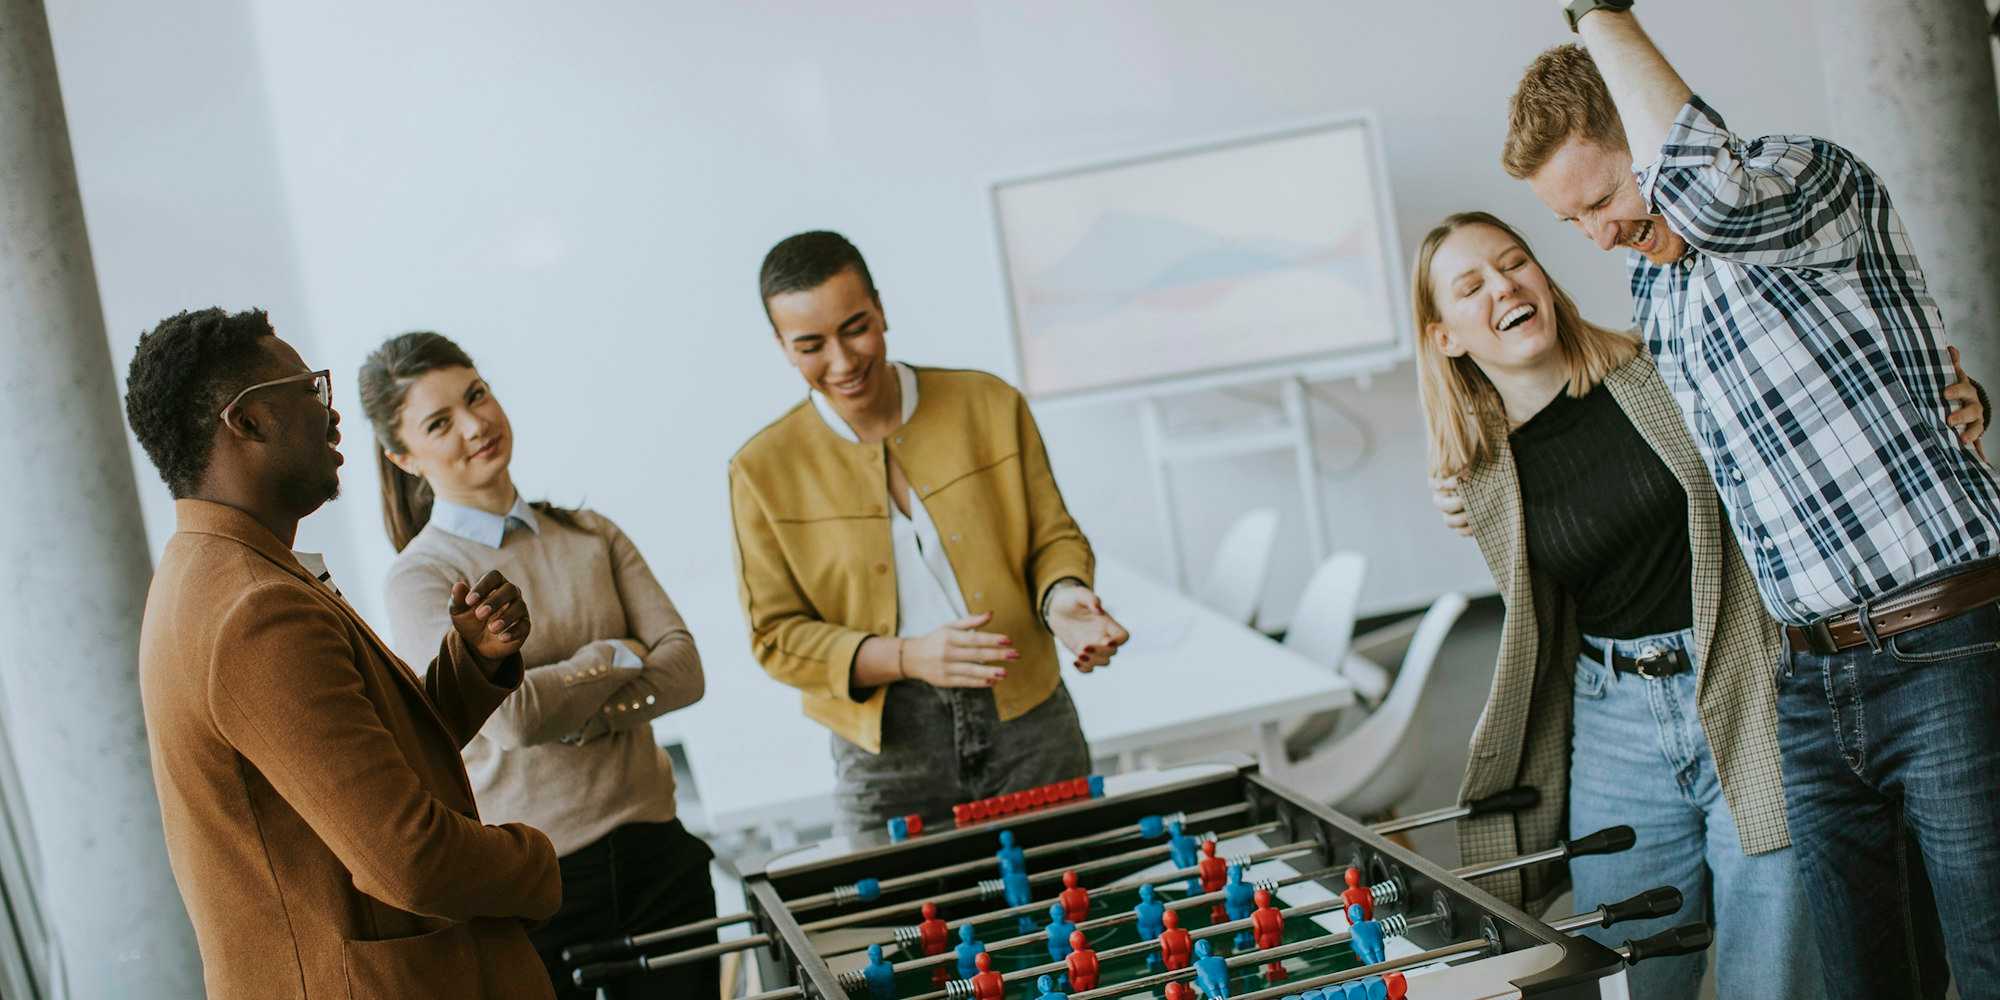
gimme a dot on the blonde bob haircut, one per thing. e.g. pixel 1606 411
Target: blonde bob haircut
pixel 1458 398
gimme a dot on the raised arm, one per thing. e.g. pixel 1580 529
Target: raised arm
pixel 1775 201
pixel 285 691
pixel 1648 92
pixel 553 700
pixel 670 676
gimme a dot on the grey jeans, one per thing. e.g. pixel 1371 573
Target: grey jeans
pixel 943 746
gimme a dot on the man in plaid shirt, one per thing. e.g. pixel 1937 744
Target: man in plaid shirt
pixel 1778 291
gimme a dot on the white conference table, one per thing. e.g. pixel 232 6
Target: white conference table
pixel 1187 675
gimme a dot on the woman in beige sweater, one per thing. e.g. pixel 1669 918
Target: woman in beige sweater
pixel 571 751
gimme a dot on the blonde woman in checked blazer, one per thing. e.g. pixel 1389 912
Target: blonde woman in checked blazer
pixel 1634 679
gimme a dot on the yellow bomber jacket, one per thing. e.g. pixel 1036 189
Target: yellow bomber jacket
pixel 815 567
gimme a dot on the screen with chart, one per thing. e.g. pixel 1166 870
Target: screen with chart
pixel 1265 255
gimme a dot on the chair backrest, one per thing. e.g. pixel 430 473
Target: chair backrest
pixel 1378 764
pixel 1235 581
pixel 1322 629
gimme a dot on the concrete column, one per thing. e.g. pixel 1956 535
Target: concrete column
pixel 1910 85
pixel 74 567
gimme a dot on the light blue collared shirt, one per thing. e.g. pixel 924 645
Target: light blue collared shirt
pixel 475 525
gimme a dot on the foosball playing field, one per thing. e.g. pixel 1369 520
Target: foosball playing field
pixel 1209 881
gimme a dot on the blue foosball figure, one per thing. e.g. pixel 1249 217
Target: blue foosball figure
pixel 1048 987
pixel 1185 852
pixel 968 950
pixel 1239 900
pixel 1058 932
pixel 1364 936
pixel 1150 916
pixel 1011 858
pixel 1015 889
pixel 880 977
pixel 1211 972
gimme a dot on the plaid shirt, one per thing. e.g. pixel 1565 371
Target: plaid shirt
pixel 1801 344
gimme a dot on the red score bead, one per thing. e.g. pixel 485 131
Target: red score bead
pixel 916 823
pixel 1038 797
pixel 1019 800
pixel 1079 788
pixel 961 814
pixel 997 805
pixel 980 809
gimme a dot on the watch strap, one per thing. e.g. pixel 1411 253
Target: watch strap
pixel 1575 10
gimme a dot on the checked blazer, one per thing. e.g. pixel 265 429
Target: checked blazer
pixel 1523 735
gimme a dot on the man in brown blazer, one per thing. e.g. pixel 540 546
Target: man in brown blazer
pixel 318 818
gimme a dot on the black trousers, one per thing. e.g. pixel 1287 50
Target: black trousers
pixel 640 877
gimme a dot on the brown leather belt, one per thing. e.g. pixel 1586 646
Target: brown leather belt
pixel 1913 607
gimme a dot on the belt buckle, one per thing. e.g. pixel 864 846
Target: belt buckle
pixel 1643 663
pixel 1819 636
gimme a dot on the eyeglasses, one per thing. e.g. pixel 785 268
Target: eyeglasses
pixel 322 386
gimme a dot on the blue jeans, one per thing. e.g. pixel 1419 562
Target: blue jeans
pixel 1892 786
pixel 1638 756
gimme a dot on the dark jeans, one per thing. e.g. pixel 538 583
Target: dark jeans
pixel 1892 787
pixel 943 746
pixel 640 877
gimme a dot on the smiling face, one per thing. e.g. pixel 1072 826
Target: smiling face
pixel 453 432
pixel 1590 186
pixel 1493 301
pixel 833 334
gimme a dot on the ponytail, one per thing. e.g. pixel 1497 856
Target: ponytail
pixel 406 500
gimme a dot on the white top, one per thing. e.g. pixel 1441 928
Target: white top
pixel 927 595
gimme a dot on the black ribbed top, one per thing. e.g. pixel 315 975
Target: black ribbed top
pixel 1605 516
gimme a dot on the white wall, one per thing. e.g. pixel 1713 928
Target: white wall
pixel 581 196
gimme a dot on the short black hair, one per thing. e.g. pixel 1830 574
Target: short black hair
pixel 806 261
pixel 182 375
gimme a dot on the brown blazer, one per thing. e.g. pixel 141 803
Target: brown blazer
pixel 1523 735
pixel 318 819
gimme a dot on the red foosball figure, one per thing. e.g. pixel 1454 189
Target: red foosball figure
pixel 1398 988
pixel 934 937
pixel 1358 893
pixel 987 984
pixel 1213 872
pixel 1075 898
pixel 1082 963
pixel 1176 945
pixel 1269 926
pixel 1177 991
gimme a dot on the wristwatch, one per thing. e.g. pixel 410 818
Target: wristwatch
pixel 1575 9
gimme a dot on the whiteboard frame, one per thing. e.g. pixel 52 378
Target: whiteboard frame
pixel 1323 366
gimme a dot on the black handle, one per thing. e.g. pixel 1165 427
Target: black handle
pixel 1609 840
pixel 577 954
pixel 1683 940
pixel 1511 800
pixel 591 975
pixel 1664 901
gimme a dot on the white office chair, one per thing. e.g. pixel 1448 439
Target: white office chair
pixel 1368 771
pixel 1235 581
pixel 1322 628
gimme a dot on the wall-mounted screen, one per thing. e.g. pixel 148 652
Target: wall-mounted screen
pixel 1268 255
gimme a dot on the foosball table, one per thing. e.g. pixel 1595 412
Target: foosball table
pixel 1209 880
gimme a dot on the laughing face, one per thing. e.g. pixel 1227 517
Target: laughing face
pixel 1493 300
pixel 1591 186
pixel 833 334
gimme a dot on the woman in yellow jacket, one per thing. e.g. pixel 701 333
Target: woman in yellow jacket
pixel 905 559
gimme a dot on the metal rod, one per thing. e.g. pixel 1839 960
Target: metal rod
pixel 1445 953
pixel 1141 947
pixel 1107 920
pixel 1577 922
pixel 1556 853
pixel 781 993
pixel 962 895
pixel 585 952
pixel 705 951
pixel 1511 800
pixel 976 864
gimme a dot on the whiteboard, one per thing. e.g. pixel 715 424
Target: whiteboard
pixel 1254 256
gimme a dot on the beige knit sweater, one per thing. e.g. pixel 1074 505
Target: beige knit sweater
pixel 570 752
